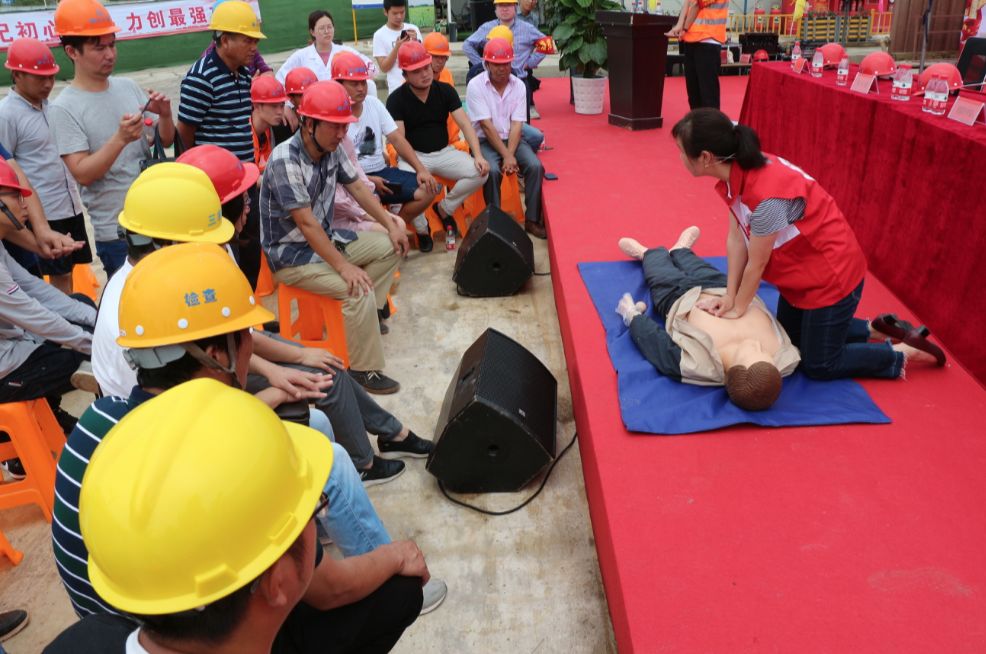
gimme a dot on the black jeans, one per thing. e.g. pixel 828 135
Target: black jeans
pixel 702 62
pixel 370 626
pixel 834 344
pixel 248 242
pixel 670 275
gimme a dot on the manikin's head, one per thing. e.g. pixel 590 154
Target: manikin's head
pixel 753 382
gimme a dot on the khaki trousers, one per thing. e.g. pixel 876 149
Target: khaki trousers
pixel 374 253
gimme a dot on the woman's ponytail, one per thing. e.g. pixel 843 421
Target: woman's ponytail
pixel 748 154
pixel 711 130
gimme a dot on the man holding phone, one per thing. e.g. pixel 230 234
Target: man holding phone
pixel 413 191
pixel 390 37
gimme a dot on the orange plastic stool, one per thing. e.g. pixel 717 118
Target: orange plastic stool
pixel 83 280
pixel 37 439
pixel 8 550
pixel 265 281
pixel 510 197
pixel 319 322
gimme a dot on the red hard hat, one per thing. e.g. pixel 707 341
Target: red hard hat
pixel 880 64
pixel 299 79
pixel 31 56
pixel 267 90
pixel 327 100
pixel 413 56
pixel 833 53
pixel 230 176
pixel 8 179
pixel 349 66
pixel 761 55
pixel 498 51
pixel 948 71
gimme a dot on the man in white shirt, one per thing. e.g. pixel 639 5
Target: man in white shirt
pixel 498 107
pixel 390 37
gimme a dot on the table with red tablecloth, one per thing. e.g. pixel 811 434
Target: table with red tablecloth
pixel 912 185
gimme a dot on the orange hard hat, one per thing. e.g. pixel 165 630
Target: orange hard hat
pixel 436 44
pixel 267 90
pixel 230 176
pixel 880 64
pixel 31 56
pixel 413 56
pixel 833 53
pixel 8 179
pixel 327 100
pixel 299 79
pixel 946 70
pixel 349 66
pixel 498 51
pixel 761 55
pixel 83 18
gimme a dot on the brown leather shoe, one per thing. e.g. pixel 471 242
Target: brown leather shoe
pixel 535 229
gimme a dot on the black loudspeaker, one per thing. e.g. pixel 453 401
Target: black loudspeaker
pixel 496 431
pixel 496 257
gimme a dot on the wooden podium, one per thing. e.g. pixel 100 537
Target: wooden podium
pixel 638 51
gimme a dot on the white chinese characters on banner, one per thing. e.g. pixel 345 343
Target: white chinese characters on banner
pixel 136 21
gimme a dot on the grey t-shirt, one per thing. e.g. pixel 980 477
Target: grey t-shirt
pixel 25 131
pixel 83 122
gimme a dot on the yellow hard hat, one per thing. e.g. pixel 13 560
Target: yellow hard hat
pixel 193 495
pixel 504 2
pixel 184 293
pixel 177 202
pixel 501 32
pixel 237 17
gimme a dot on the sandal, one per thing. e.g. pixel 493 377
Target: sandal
pixel 890 325
pixel 919 341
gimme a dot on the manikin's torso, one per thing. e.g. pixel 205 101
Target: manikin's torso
pixel 728 333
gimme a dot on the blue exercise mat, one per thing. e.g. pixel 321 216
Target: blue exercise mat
pixel 653 403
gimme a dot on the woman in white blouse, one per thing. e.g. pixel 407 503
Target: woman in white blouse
pixel 319 54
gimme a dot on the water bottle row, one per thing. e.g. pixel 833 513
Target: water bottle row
pixel 935 93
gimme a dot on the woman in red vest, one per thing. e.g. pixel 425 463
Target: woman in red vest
pixel 787 230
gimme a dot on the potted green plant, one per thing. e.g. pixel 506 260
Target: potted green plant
pixel 582 46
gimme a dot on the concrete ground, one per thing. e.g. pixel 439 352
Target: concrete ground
pixel 526 582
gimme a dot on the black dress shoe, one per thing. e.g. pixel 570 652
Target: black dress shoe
pixel 425 243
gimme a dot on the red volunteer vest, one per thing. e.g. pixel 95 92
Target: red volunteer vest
pixel 817 260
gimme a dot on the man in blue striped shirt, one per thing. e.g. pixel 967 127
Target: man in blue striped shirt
pixel 215 94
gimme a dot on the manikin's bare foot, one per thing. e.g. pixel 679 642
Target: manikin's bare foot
pixel 687 238
pixel 632 248
pixel 914 354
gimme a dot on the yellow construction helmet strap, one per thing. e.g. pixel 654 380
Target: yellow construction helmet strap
pixel 155 358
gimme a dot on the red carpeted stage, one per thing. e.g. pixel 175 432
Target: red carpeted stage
pixel 827 539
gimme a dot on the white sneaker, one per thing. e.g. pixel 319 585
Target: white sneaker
pixel 434 594
pixel 535 115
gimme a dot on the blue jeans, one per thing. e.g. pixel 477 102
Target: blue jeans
pixel 834 344
pixel 532 136
pixel 350 519
pixel 112 254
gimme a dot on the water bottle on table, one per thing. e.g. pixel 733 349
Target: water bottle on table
pixel 795 53
pixel 842 72
pixel 936 96
pixel 817 63
pixel 903 80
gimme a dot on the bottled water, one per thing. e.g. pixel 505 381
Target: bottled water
pixel 817 63
pixel 796 52
pixel 903 80
pixel 936 96
pixel 842 72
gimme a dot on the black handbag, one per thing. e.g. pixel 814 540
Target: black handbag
pixel 158 153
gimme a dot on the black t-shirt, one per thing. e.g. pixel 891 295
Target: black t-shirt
pixel 95 634
pixel 425 123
